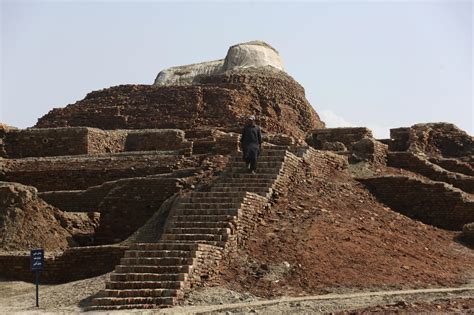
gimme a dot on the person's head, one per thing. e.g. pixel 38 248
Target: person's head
pixel 251 120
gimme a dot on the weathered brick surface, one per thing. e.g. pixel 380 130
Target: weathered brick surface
pixel 219 101
pixel 157 139
pixel 4 129
pixel 434 139
pixel 62 141
pixel 80 172
pixel 90 199
pixel 213 141
pixel 347 136
pixel 369 149
pixel 201 227
pixel 431 202
pixel 76 200
pixel 424 167
pixel 468 233
pixel 357 144
pixel 323 163
pixel 42 142
pixel 73 264
pixel 454 165
pixel 130 204
pixel 399 139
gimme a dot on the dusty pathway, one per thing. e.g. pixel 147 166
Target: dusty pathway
pixel 18 297
pixel 329 302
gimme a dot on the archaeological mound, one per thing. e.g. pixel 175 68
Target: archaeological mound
pixel 147 183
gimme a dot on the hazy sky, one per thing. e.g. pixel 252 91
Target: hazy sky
pixel 376 64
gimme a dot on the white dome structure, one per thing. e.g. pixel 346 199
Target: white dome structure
pixel 252 54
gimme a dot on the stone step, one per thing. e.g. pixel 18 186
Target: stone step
pixel 137 291
pixel 194 230
pixel 220 218
pixel 251 176
pixel 162 246
pixel 186 212
pixel 104 308
pixel 152 269
pixel 248 180
pixel 216 194
pixel 213 243
pixel 248 185
pixel 210 200
pixel 150 261
pixel 144 284
pixel 267 152
pixel 143 276
pixel 159 253
pixel 261 159
pixel 194 237
pixel 112 301
pixel 214 205
pixel 240 189
pixel 191 224
pixel 260 164
pixel 260 170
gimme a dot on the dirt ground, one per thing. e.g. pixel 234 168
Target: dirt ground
pixel 19 297
pixel 334 236
pixel 457 305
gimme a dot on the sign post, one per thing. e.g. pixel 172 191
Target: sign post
pixel 37 265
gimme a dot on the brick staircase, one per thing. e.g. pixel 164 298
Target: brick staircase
pixel 200 229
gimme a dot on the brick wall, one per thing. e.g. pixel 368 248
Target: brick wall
pixel 206 141
pixel 433 139
pixel 100 141
pixel 89 200
pixel 73 264
pixel 62 141
pixel 347 136
pixel 4 129
pixel 124 205
pixel 355 143
pixel 75 200
pixel 80 172
pixel 323 163
pixel 41 142
pixel 157 139
pixel 399 139
pixel 130 204
pixel 205 266
pixel 454 165
pixel 46 142
pixel 424 167
pixel 431 202
pixel 369 149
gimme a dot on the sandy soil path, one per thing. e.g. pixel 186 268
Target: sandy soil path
pixel 18 297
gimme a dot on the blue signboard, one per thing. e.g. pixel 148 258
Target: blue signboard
pixel 37 259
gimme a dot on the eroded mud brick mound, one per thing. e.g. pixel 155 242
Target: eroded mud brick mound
pixel 26 221
pixel 220 95
pixel 441 140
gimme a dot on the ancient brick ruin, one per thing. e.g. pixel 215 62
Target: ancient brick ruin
pixel 147 180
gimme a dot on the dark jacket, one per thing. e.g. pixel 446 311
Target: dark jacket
pixel 251 136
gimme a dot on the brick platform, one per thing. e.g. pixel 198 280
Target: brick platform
pixel 81 172
pixel 431 202
pixel 420 165
pixel 71 265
